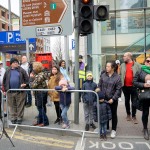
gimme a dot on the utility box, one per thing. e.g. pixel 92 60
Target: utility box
pixel 45 59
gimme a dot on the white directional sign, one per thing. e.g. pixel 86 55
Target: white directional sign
pixel 55 30
pixel 31 47
pixel 53 15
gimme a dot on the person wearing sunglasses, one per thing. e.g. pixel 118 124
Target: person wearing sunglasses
pixel 142 82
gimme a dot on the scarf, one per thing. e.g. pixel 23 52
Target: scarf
pixel 146 69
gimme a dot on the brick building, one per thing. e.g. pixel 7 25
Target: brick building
pixel 4 18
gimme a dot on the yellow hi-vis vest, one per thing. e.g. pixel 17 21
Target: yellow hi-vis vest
pixel 82 74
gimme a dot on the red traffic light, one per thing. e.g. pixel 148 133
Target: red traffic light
pixel 85 1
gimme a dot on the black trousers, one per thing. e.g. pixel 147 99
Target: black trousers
pixel 145 113
pixel 130 93
pixel 58 110
pixel 113 108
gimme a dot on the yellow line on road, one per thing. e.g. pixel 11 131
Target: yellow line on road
pixel 43 140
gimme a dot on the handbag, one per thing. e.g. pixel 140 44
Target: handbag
pixel 144 95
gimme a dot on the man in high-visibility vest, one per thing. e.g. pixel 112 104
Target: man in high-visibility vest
pixel 81 72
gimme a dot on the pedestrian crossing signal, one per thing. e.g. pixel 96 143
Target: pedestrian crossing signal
pixel 101 12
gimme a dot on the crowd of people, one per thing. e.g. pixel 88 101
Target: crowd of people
pixel 130 77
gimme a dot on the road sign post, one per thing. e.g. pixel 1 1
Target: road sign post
pixel 52 17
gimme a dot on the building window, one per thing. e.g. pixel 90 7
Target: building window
pixel 3 13
pixel 3 25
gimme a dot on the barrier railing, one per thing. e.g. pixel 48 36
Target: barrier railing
pixel 49 127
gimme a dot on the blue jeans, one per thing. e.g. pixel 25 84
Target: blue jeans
pixel 64 113
pixel 29 97
pixel 42 117
pixel 103 128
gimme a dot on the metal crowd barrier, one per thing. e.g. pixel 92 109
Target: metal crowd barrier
pixel 59 129
pixel 3 99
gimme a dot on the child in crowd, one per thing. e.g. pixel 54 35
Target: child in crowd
pixel 88 100
pixel 54 79
pixel 105 115
pixel 65 101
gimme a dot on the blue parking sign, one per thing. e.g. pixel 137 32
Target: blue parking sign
pixel 73 44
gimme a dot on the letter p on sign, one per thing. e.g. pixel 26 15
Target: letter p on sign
pixel 10 37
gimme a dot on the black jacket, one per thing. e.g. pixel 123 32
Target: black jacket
pixel 138 82
pixel 23 78
pixel 111 86
pixel 105 112
pixel 139 79
pixel 89 97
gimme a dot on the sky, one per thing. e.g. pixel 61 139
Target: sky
pixel 14 5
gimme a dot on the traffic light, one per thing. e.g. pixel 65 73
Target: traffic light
pixel 101 12
pixel 85 17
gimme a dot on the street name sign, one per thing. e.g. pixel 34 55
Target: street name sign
pixel 53 15
pixel 55 30
pixel 11 40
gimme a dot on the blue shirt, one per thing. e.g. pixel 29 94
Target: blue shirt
pixel 14 79
pixel 64 73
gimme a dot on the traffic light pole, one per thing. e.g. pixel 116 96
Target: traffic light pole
pixel 66 47
pixel 96 48
pixel 76 101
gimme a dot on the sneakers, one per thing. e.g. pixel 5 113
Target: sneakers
pixel 128 118
pixel 65 126
pixel 103 137
pixel 57 120
pixel 13 121
pixel 87 127
pixel 119 99
pixel 18 121
pixel 113 134
pixel 93 126
pixel 134 120
pixel 146 134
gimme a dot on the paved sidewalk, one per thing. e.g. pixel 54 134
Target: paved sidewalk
pixel 125 128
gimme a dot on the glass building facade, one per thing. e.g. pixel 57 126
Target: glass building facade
pixel 128 29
